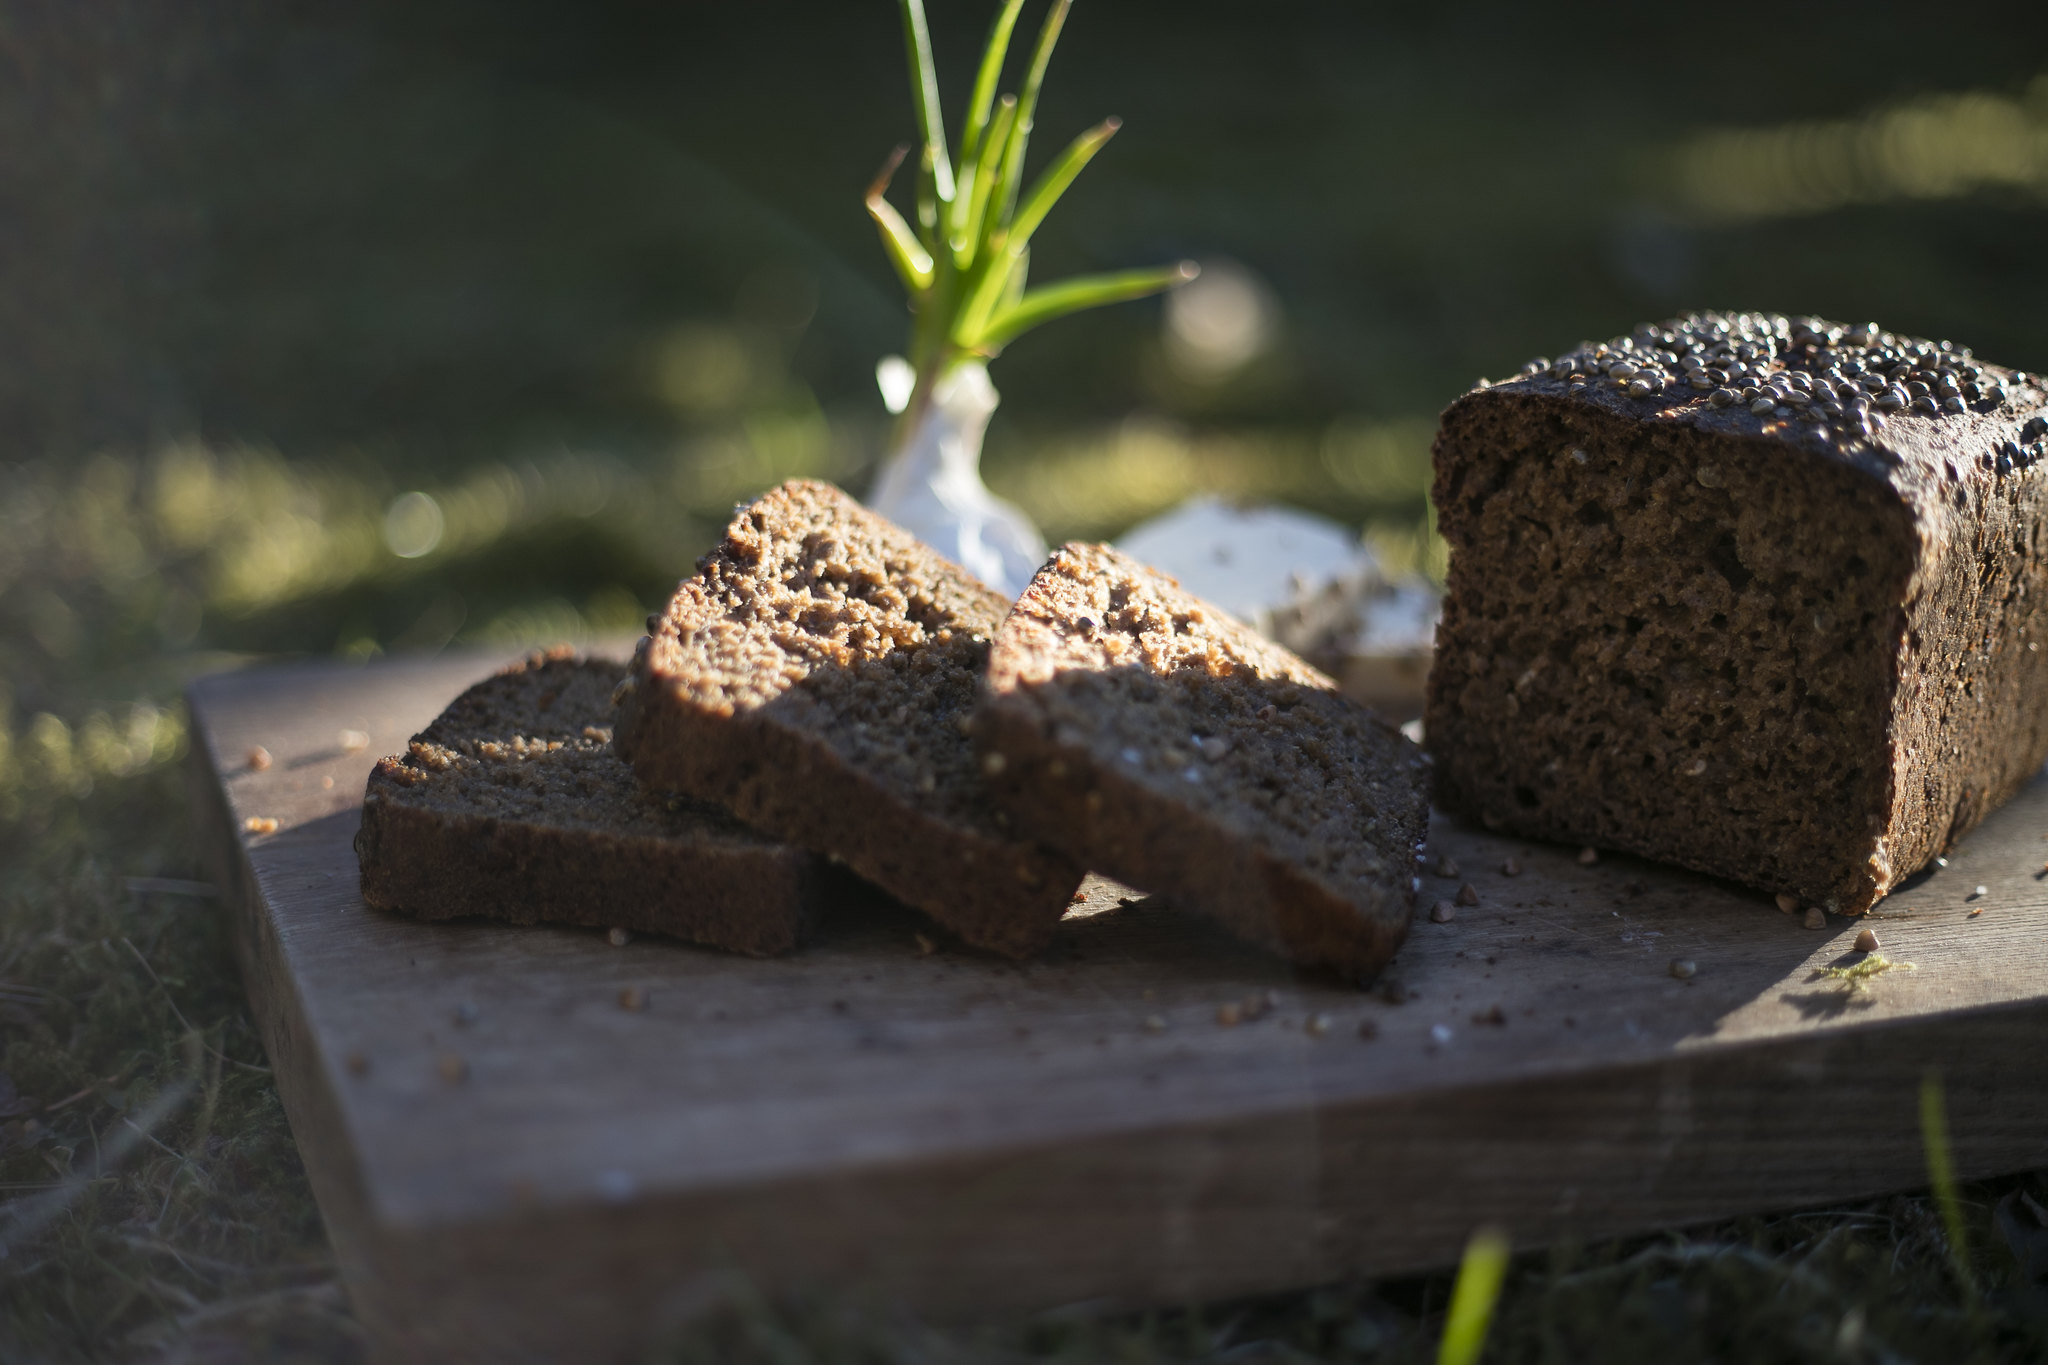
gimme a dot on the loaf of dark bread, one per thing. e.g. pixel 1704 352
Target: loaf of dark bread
pixel 1758 596
pixel 1158 740
pixel 817 676
pixel 512 805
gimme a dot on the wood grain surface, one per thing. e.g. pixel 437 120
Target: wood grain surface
pixel 515 1165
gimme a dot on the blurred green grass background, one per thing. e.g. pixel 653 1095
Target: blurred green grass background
pixel 343 329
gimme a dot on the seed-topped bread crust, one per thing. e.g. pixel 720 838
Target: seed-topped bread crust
pixel 817 676
pixel 1760 596
pixel 512 805
pixel 1167 745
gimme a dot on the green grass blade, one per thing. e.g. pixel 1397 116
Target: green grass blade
pixel 987 169
pixel 913 263
pixel 1027 108
pixel 1473 1297
pixel 1050 186
pixel 1013 287
pixel 1941 1174
pixel 927 200
pixel 993 55
pixel 984 294
pixel 1039 306
pixel 924 92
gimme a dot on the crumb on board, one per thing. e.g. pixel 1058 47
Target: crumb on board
pixel 260 824
pixel 352 741
pixel 1788 903
pixel 259 758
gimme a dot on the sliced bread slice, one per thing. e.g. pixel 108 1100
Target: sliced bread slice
pixel 512 805
pixel 1161 742
pixel 817 677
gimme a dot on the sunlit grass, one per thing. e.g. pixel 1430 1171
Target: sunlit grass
pixel 1932 147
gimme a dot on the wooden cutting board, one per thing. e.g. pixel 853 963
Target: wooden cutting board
pixel 514 1165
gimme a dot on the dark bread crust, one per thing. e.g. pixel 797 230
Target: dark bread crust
pixel 815 677
pixel 1165 744
pixel 511 806
pixel 1744 645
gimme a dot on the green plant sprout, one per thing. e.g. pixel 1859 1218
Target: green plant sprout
pixel 1941 1174
pixel 966 261
pixel 1473 1296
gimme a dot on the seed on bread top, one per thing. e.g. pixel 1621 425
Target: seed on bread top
pixel 1855 390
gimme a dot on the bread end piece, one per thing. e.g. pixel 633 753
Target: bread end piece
pixel 1790 640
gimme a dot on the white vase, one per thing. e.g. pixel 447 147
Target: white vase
pixel 931 486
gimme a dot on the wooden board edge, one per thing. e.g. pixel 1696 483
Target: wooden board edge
pixel 296 1065
pixel 1241 1207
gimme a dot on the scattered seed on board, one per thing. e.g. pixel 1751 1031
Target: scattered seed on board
pixel 1468 894
pixel 259 758
pixel 1816 918
pixel 260 824
pixel 1443 912
pixel 1866 942
pixel 1447 866
pixel 452 1068
pixel 1588 856
pixel 1789 904
pixel 1317 1025
pixel 1684 968
pixel 1510 868
pixel 352 741
pixel 633 998
pixel 619 937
